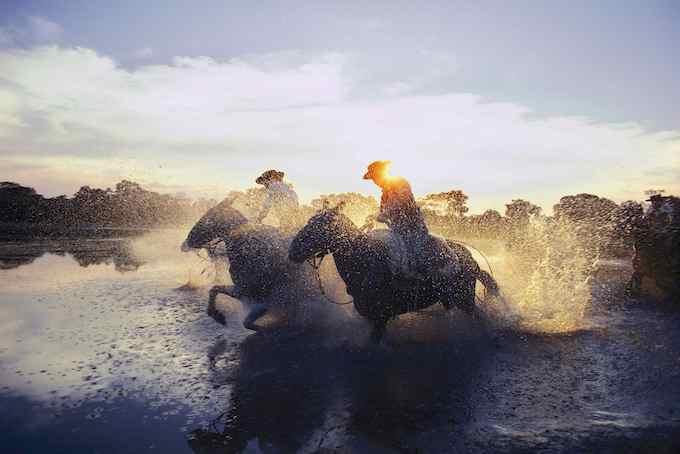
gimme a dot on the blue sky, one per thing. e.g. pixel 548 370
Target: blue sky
pixel 501 99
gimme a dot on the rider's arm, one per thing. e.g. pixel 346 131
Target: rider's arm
pixel 385 209
pixel 266 206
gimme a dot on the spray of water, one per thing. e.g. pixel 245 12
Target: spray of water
pixel 545 277
pixel 161 248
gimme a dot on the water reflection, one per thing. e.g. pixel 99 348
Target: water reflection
pixel 281 391
pixel 84 252
pixel 307 391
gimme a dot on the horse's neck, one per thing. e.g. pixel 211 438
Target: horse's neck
pixel 352 255
pixel 234 239
pixel 245 232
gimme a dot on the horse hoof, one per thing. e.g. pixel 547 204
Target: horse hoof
pixel 217 316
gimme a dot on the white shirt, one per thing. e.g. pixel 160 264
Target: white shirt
pixel 280 195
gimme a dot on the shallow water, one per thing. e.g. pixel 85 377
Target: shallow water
pixel 100 352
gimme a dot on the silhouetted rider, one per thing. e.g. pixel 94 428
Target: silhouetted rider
pixel 398 209
pixel 281 201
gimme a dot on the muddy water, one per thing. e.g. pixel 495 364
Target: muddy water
pixel 99 352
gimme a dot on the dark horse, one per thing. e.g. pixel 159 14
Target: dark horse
pixel 362 261
pixel 656 264
pixel 258 262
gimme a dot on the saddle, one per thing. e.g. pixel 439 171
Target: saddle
pixel 423 258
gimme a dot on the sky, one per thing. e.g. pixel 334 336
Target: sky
pixel 504 100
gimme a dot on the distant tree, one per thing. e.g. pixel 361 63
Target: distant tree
pixel 19 203
pixel 520 211
pixel 594 219
pixel 126 187
pixel 485 225
pixel 585 208
pixel 357 206
pixel 451 204
pixel 129 205
pixel 491 218
pixel 627 220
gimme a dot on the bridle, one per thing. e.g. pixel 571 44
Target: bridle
pixel 315 262
pixel 317 258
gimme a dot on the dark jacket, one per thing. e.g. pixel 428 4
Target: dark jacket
pixel 399 210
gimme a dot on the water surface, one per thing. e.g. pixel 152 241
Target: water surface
pixel 99 352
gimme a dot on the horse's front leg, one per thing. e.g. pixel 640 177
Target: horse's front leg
pixel 228 290
pixel 635 284
pixel 379 327
pixel 255 314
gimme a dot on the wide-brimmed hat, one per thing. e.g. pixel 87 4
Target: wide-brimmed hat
pixel 655 198
pixel 376 167
pixel 270 175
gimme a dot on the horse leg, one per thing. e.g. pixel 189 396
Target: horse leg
pixel 379 326
pixel 216 315
pixel 444 292
pixel 635 284
pixel 465 297
pixel 255 313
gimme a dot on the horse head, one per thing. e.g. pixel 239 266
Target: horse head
pixel 217 223
pixel 320 235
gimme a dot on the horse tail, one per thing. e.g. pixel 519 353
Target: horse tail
pixel 490 284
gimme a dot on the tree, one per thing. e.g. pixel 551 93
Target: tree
pixel 18 203
pixel 585 208
pixel 357 206
pixel 451 204
pixel 594 220
pixel 488 224
pixel 520 211
pixel 128 187
pixel 92 206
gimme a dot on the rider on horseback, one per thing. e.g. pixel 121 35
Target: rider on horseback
pixel 423 254
pixel 281 201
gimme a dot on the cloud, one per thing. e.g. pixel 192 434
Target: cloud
pixel 142 53
pixel 203 123
pixel 32 31
pixel 42 29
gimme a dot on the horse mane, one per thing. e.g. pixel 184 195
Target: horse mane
pixel 226 214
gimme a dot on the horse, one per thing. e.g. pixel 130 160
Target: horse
pixel 258 263
pixel 362 260
pixel 656 263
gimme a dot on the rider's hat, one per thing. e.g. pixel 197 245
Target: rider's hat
pixel 376 168
pixel 270 175
pixel 655 198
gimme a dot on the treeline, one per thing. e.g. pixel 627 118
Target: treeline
pixel 446 212
pixel 606 227
pixel 128 205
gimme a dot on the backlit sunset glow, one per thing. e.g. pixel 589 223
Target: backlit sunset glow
pixel 339 226
pixel 203 125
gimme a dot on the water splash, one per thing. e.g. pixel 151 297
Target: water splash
pixel 546 275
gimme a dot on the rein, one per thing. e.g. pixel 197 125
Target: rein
pixel 469 246
pixel 315 262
